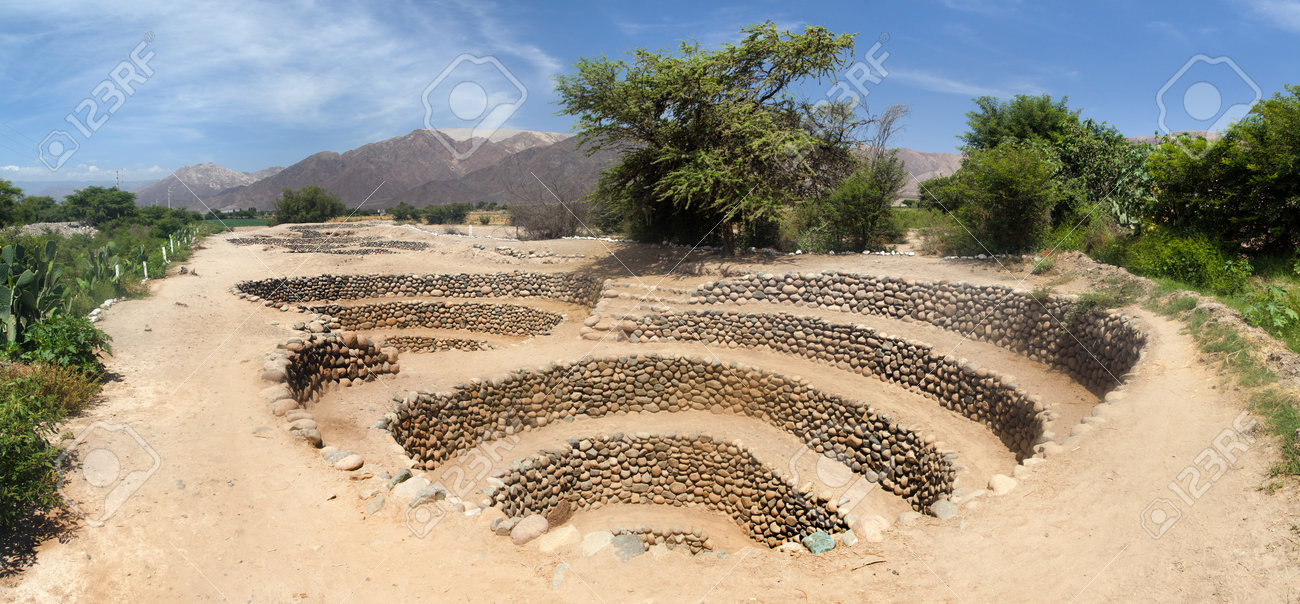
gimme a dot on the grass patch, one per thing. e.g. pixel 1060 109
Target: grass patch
pixel 917 218
pixel 1042 265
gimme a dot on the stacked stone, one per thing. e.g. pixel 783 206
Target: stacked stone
pixel 500 319
pixel 976 393
pixel 667 470
pixel 356 246
pixel 431 344
pixel 435 427
pixel 694 540
pixel 320 359
pixel 1092 346
pixel 565 287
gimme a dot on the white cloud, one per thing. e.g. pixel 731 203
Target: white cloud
pixel 1284 14
pixel 937 83
pixel 222 64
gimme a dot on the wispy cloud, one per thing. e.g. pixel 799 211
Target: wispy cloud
pixel 933 82
pixel 983 7
pixel 223 64
pixel 1284 14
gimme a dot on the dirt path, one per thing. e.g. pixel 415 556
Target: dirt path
pixel 240 511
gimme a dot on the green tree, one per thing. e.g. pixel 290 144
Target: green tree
pixel 10 198
pixel 1264 166
pixel 1010 191
pixel 311 203
pixel 99 205
pixel 859 214
pixel 708 138
pixel 39 208
pixel 1025 117
pixel 402 211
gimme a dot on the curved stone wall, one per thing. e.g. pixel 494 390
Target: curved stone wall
pixel 501 319
pixel 693 540
pixel 973 392
pixel 1093 347
pixel 566 287
pixel 668 470
pixel 432 344
pixel 434 427
pixel 319 359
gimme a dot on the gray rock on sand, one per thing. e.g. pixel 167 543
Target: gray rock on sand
pixel 531 527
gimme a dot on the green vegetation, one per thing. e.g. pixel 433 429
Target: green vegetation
pixel 308 204
pixel 238 222
pixel 713 141
pixel 453 213
pixel 49 352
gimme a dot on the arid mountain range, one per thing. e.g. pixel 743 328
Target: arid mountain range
pixel 511 167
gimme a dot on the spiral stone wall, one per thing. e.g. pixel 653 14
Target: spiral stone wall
pixel 432 344
pixel 317 360
pixel 434 427
pixel 1093 347
pixel 501 319
pixel 668 470
pixel 566 287
pixel 973 392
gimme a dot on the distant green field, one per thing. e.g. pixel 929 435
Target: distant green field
pixel 239 222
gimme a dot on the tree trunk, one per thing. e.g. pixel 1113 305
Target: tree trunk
pixel 728 239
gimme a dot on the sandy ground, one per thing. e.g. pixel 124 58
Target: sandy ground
pixel 227 506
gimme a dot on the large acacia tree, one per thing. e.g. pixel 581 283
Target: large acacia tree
pixel 712 139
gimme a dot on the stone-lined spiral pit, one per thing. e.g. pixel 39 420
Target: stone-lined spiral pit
pixel 433 428
pixel 1092 346
pixel 667 470
pixel 574 288
pixel 499 319
pixel 967 389
pixel 434 344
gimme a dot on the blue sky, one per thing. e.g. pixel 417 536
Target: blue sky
pixel 249 85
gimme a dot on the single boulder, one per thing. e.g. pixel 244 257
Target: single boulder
pixel 819 542
pixel 531 527
pixel 350 463
pixel 560 514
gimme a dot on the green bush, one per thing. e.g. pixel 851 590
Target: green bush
pixel 66 341
pixel 1195 260
pixel 1271 308
pixel 309 204
pixel 28 477
pixel 1010 191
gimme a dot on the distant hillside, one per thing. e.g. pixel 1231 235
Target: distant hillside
pixel 418 169
pixel 400 163
pixel 562 167
pixel 205 180
pixel 924 166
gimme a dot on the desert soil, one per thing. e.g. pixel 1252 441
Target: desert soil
pixel 239 510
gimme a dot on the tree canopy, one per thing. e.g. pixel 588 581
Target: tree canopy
pixel 99 205
pixel 1243 187
pixel 311 203
pixel 994 121
pixel 711 138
